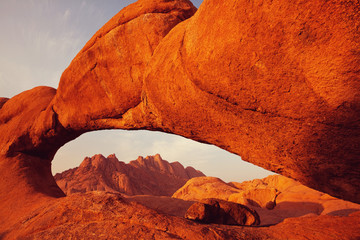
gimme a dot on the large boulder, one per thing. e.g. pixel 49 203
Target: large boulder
pixel 222 212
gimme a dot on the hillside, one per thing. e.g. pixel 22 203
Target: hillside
pixel 144 176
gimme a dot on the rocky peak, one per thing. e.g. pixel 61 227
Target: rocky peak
pixel 192 172
pixel 156 163
pixel 97 161
pixel 150 175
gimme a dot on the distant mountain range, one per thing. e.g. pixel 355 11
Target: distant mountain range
pixel 144 176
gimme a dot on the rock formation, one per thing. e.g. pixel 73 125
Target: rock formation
pixel 205 187
pixel 288 102
pixel 275 198
pixel 275 82
pixel 100 215
pixel 145 176
pixel 3 101
pixel 110 216
pixel 37 122
pixel 218 211
pixel 288 197
pixel 256 195
pixel 163 204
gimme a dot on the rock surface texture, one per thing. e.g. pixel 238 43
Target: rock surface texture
pixel 275 82
pixel 101 215
pixel 287 198
pixel 218 211
pixel 145 176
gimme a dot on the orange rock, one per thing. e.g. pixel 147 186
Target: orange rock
pixel 275 198
pixel 218 211
pixel 105 79
pixel 163 204
pixel 259 197
pixel 204 187
pixel 100 215
pixel 247 193
pixel 319 227
pixel 109 69
pixel 275 82
pixel 3 101
pixel 145 176
pixel 281 90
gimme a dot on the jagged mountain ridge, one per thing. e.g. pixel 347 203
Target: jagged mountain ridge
pixel 144 176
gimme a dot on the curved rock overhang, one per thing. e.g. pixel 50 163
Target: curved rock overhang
pixel 275 82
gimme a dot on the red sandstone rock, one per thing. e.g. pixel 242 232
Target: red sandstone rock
pixel 258 197
pixel 275 198
pixel 163 204
pixel 34 124
pixel 222 212
pixel 291 199
pixel 3 101
pixel 26 177
pixel 286 98
pixel 320 227
pixel 205 187
pixel 145 176
pixel 276 82
pixel 100 215
pixel 105 79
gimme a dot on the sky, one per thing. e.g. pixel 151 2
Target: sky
pixel 38 41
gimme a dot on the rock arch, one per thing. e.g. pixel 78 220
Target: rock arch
pixel 272 81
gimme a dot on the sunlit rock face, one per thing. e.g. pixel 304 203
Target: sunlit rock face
pixel 144 176
pixel 37 122
pixel 275 198
pixel 275 82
